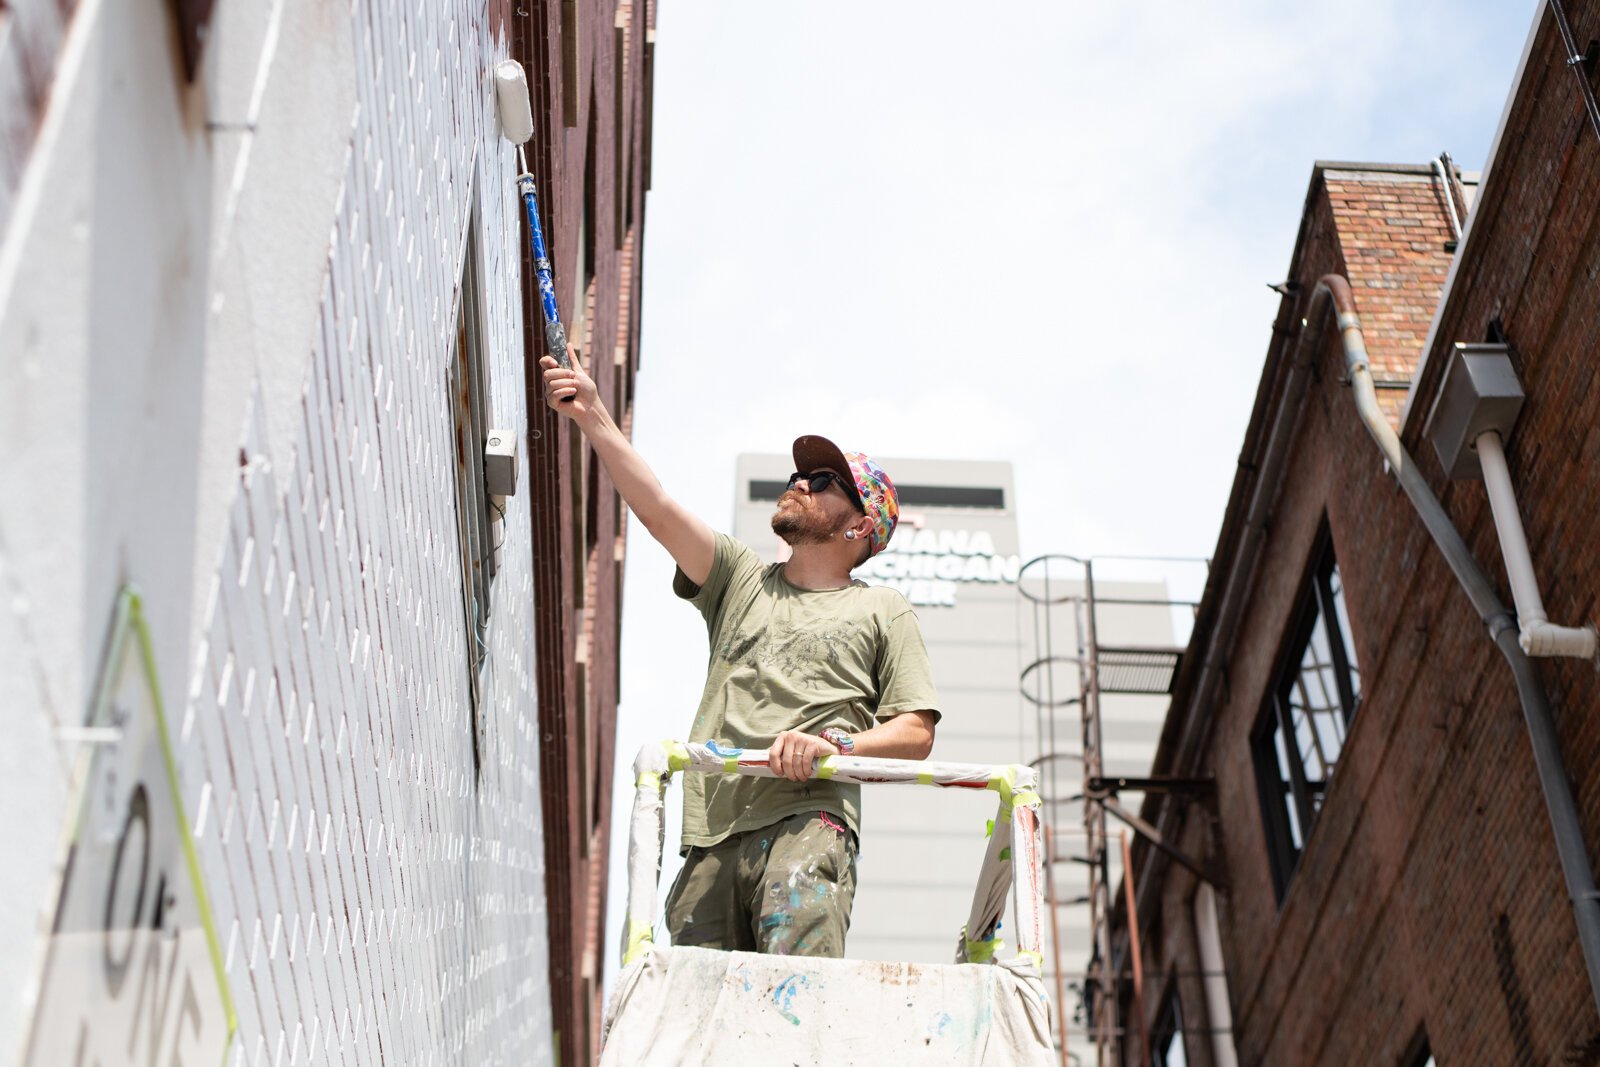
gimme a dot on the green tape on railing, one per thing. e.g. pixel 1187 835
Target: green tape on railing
pixel 677 755
pixel 925 777
pixel 1003 780
pixel 988 828
pixel 1025 798
pixel 730 764
pixel 825 768
pixel 1022 798
pixel 980 951
pixel 639 935
pixel 1029 954
pixel 650 778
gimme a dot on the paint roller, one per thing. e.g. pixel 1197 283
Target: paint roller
pixel 516 123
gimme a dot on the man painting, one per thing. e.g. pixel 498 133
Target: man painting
pixel 804 662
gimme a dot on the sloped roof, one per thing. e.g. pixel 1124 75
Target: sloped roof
pixel 1394 232
pixel 1387 229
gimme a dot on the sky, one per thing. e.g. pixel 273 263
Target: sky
pixel 1038 232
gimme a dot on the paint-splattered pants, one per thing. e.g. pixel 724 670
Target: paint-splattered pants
pixel 785 889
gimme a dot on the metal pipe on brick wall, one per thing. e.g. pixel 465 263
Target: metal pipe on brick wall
pixel 1447 190
pixel 1578 62
pixel 1139 1024
pixel 1268 467
pixel 1539 636
pixel 1219 1011
pixel 1502 625
pixel 1269 464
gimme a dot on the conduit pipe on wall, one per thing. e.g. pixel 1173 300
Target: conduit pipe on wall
pixel 1219 1012
pixel 1575 864
pixel 1447 188
pixel 1537 635
pixel 1267 465
pixel 1575 61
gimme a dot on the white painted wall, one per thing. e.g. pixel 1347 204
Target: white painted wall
pixel 226 317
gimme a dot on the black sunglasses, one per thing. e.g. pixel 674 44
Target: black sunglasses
pixel 818 482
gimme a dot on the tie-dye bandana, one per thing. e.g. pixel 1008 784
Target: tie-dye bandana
pixel 878 497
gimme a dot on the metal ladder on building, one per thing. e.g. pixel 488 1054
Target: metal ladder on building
pixel 1061 593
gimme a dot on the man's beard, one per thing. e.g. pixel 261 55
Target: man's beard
pixel 801 525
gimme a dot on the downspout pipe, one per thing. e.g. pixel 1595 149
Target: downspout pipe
pixel 1273 458
pixel 1577 62
pixel 1208 935
pixel 1502 626
pixel 1539 636
pixel 1447 190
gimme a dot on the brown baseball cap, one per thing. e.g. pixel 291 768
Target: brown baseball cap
pixel 875 491
pixel 813 453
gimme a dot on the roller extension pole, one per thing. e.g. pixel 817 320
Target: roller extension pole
pixel 516 122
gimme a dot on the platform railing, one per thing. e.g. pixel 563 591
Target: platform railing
pixel 1015 853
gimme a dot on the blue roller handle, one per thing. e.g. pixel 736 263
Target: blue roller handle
pixel 555 334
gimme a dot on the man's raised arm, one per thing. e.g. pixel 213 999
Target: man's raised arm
pixel 685 536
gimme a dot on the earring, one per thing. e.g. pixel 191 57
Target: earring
pixel 849 535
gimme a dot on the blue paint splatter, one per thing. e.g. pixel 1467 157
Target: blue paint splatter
pixel 940 1021
pixel 784 995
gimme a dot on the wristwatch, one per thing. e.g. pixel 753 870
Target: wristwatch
pixel 840 740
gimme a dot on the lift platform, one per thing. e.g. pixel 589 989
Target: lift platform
pixel 677 1004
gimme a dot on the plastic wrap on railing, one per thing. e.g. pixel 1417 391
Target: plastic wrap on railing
pixel 1013 856
pixel 1027 863
pixel 711 757
pixel 646 838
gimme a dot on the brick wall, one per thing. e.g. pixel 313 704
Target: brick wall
pixel 1429 896
pixel 591 108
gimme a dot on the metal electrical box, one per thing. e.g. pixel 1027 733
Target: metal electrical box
pixel 1480 392
pixel 500 463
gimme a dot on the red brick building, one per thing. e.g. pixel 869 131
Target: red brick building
pixel 1387 885
pixel 590 72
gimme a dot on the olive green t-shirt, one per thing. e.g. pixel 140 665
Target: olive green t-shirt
pixel 786 658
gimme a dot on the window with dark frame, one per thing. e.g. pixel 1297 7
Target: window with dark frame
pixel 1166 1040
pixel 469 403
pixel 1301 731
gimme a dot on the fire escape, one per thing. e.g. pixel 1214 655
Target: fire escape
pixel 1101 654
